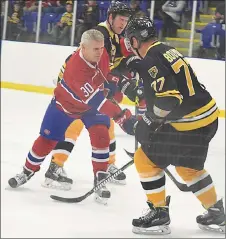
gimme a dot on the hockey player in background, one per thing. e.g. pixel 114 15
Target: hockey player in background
pixel 180 121
pixel 118 49
pixel 79 95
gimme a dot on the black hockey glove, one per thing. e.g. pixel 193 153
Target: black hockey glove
pixel 132 62
pixel 129 88
pixel 145 128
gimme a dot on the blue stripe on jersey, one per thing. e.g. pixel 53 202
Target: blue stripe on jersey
pixel 100 156
pixel 35 160
pixel 96 100
pixel 63 83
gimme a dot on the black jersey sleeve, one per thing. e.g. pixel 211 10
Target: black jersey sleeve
pixel 161 79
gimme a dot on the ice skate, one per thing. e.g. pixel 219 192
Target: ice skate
pixel 56 178
pixel 119 179
pixel 213 219
pixel 155 222
pixel 103 194
pixel 21 178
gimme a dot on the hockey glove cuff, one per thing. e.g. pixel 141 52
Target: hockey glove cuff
pixel 145 127
pixel 126 121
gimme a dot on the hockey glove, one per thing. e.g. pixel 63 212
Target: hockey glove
pixel 132 62
pixel 130 89
pixel 126 121
pixel 145 128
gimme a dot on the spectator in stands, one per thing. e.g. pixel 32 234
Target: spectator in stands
pixel 89 19
pixel 220 13
pixel 55 6
pixel 2 16
pixel 48 6
pixel 2 8
pixel 172 17
pixel 213 36
pixel 62 30
pixel 220 19
pixel 158 12
pixel 135 5
pixel 14 22
pixel 30 6
pixel 61 6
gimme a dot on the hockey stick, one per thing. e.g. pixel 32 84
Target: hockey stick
pixel 136 106
pixel 97 187
pixel 183 187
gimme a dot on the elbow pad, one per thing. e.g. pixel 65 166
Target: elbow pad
pixel 164 105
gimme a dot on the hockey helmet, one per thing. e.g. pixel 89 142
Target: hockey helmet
pixel 141 28
pixel 119 8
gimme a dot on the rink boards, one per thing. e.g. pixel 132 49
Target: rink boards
pixel 33 67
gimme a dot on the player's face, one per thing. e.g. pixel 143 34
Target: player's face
pixel 119 23
pixel 69 8
pixel 93 51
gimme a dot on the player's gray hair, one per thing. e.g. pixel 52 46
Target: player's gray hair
pixel 90 35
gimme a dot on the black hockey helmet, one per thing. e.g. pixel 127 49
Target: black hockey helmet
pixel 119 8
pixel 141 28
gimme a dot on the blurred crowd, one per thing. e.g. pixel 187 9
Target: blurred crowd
pixel 57 18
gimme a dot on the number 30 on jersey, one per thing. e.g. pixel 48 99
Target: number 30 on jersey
pixel 87 89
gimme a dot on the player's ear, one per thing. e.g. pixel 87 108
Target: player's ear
pixel 82 46
pixel 110 19
pixel 134 43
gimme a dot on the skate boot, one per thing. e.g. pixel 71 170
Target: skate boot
pixel 155 222
pixel 119 179
pixel 213 219
pixel 21 178
pixel 103 194
pixel 56 178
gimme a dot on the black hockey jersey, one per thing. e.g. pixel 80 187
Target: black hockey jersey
pixel 167 75
pixel 112 44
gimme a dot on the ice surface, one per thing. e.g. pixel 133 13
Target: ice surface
pixel 29 212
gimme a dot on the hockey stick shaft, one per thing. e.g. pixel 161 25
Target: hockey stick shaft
pixel 97 187
pixel 136 106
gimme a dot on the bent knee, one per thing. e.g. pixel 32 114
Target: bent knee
pixel 99 136
pixel 145 167
pixel 188 174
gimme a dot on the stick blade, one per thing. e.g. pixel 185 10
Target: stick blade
pixel 67 200
pixel 131 155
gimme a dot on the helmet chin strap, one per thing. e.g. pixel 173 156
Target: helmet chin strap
pixel 136 49
pixel 111 25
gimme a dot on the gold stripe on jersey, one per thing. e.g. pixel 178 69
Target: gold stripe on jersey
pixel 170 93
pixel 117 61
pixel 201 110
pixel 198 118
pixel 104 24
pixel 155 44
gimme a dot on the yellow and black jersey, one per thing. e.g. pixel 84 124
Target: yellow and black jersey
pixel 62 69
pixel 167 77
pixel 16 17
pixel 67 18
pixel 112 44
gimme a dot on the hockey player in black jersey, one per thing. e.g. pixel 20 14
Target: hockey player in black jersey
pixel 180 121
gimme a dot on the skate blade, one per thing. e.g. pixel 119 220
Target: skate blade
pixel 50 183
pixel 156 230
pixel 118 182
pixel 213 228
pixel 101 200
